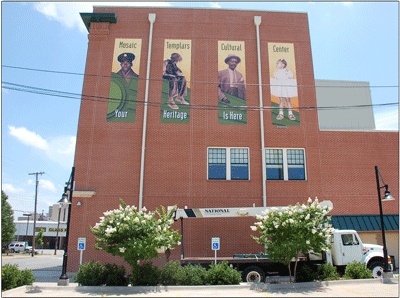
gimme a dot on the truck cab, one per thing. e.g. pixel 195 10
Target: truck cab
pixel 348 247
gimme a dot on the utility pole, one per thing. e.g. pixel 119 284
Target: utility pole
pixel 34 214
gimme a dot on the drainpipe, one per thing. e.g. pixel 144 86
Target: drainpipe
pixel 152 19
pixel 257 22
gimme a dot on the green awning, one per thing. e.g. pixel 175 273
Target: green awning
pixel 89 17
pixel 365 223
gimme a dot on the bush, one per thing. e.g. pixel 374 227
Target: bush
pixel 91 274
pixel 172 273
pixel 306 273
pixel 149 275
pixel 12 277
pixel 357 270
pixel 115 275
pixel 327 272
pixel 193 275
pixel 222 274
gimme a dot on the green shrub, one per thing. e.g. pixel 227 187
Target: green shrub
pixel 91 274
pixel 327 272
pixel 149 275
pixel 115 275
pixel 222 274
pixel 193 275
pixel 12 277
pixel 172 273
pixel 306 273
pixel 357 270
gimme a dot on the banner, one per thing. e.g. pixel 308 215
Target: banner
pixel 283 82
pixel 176 69
pixel 232 106
pixel 122 97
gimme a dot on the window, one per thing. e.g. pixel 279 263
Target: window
pixel 228 163
pixel 347 239
pixel 285 164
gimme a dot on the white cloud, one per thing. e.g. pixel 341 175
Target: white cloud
pixel 68 13
pixel 387 119
pixel 11 189
pixel 47 184
pixel 28 137
pixel 215 5
pixel 60 149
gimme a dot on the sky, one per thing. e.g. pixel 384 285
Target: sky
pixel 44 47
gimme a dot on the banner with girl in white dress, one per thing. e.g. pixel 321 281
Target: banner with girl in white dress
pixel 283 82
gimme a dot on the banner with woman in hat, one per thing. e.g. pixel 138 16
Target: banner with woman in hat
pixel 231 83
pixel 122 97
pixel 176 69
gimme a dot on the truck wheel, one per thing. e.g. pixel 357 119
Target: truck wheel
pixel 377 269
pixel 253 274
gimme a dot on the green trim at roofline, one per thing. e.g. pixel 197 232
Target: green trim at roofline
pixel 365 222
pixel 106 17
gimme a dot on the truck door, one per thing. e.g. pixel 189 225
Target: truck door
pixel 351 248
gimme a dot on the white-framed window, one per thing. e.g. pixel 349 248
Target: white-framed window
pixel 228 163
pixel 285 164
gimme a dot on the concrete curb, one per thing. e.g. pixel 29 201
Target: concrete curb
pixel 43 288
pixel 318 284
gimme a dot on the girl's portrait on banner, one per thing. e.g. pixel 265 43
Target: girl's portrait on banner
pixel 283 82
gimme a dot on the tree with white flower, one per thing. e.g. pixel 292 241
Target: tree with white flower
pixel 289 232
pixel 134 234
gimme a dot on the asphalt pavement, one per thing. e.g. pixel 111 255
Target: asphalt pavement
pixel 47 269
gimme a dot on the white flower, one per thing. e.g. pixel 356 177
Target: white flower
pixel 122 249
pixel 276 226
pixel 313 231
pixel 309 200
pixel 253 228
pixel 307 217
pixel 308 242
pixel 136 219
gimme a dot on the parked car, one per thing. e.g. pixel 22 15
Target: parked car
pixel 18 246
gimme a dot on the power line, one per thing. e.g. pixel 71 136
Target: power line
pixel 63 94
pixel 191 82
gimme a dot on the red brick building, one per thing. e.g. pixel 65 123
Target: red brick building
pixel 132 144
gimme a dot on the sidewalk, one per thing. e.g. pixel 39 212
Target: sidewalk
pixel 347 288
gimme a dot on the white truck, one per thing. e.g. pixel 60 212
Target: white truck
pixel 19 246
pixel 346 247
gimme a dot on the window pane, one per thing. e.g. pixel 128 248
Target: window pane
pixel 217 164
pixel 296 170
pixel 274 164
pixel 239 164
pixel 274 173
pixel 217 172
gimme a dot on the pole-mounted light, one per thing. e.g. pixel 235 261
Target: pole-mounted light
pixel 67 197
pixel 387 197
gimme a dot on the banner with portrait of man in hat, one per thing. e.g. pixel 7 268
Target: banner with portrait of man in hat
pixel 122 97
pixel 231 83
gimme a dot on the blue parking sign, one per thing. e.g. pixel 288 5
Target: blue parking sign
pixel 215 243
pixel 81 243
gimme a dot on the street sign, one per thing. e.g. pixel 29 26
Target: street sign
pixel 81 243
pixel 215 243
